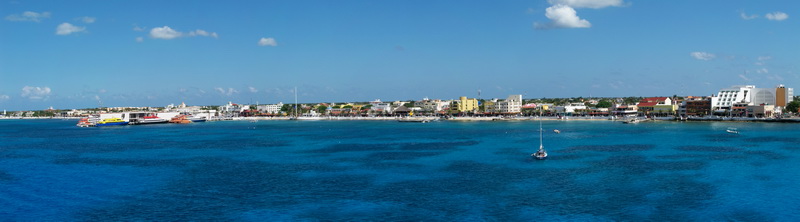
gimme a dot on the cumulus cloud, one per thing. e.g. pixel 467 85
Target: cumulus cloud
pixel 28 16
pixel 587 3
pixel 267 42
pixel 777 16
pixel 66 29
pixel 139 29
pixel 745 16
pixel 762 71
pixel 562 16
pixel 763 58
pixel 229 92
pixel 35 93
pixel 201 32
pixel 168 33
pixel 4 97
pixel 703 55
pixel 164 33
pixel 87 19
pixel 252 89
pixel 139 39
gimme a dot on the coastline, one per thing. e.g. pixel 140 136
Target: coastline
pixel 466 119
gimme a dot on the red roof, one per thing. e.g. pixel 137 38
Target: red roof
pixel 647 104
pixel 653 99
pixel 529 106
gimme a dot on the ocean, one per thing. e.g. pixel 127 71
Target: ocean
pixel 51 170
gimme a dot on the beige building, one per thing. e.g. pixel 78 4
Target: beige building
pixel 464 105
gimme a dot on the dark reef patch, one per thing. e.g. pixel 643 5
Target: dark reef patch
pixel 613 148
pixel 708 148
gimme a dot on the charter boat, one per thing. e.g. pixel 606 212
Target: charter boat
pixel 541 153
pixel 196 118
pixel 87 122
pixel 180 119
pixel 111 122
pixel 150 120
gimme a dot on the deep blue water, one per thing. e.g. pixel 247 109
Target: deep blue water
pixel 385 170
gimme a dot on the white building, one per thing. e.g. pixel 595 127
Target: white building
pixel 379 106
pixel 270 108
pixel 749 95
pixel 435 105
pixel 570 108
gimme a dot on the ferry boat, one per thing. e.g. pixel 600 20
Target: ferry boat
pixel 87 122
pixel 180 119
pixel 151 119
pixel 111 122
pixel 196 118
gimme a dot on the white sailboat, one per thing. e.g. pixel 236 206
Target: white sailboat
pixel 541 153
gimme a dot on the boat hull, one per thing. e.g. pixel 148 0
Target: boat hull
pixel 112 124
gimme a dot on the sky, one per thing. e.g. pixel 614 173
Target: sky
pixel 85 54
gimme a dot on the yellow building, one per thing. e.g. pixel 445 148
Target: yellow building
pixel 464 105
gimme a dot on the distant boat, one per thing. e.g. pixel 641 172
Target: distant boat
pixel 87 122
pixel 541 153
pixel 196 118
pixel 732 130
pixel 556 131
pixel 111 122
pixel 634 120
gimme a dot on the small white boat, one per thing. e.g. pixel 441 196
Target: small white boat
pixel 732 130
pixel 634 120
pixel 556 131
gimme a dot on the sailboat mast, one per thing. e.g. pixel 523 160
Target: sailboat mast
pixel 295 101
pixel 541 146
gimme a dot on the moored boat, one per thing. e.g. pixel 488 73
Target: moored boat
pixel 111 122
pixel 151 119
pixel 180 119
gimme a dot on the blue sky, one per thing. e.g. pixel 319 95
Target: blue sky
pixel 77 54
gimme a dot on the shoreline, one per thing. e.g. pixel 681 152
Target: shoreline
pixel 462 119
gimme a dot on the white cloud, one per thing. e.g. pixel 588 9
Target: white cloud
pixel 139 29
pixel 164 33
pixel 762 71
pixel 201 32
pixel 229 92
pixel 168 33
pixel 744 77
pixel 562 16
pixel 87 19
pixel 66 29
pixel 252 89
pixel 139 39
pixel 762 58
pixel 28 16
pixel 4 97
pixel 35 93
pixel 267 42
pixel 777 16
pixel 587 3
pixel 747 17
pixel 703 55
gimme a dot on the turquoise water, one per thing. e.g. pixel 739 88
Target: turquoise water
pixel 385 170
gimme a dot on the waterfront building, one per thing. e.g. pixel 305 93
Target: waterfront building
pixel 760 111
pixel 695 106
pixel 380 107
pixel 749 95
pixel 463 105
pixel 625 110
pixel 270 108
pixel 570 109
pixel 648 105
pixel 783 96
pixel 512 104
pixel 429 105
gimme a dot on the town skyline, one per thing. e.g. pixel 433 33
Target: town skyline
pixel 85 54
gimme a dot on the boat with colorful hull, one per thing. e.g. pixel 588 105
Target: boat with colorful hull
pixel 151 120
pixel 111 122
pixel 180 119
